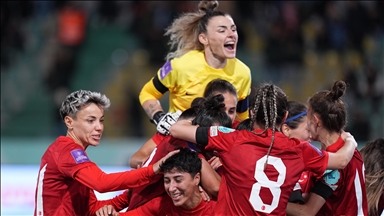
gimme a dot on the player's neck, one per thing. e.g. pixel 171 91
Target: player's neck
pixel 328 138
pixel 215 61
pixel 76 140
pixel 193 202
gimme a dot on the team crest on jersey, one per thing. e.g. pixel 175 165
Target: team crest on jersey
pixel 225 129
pixel 331 177
pixel 79 156
pixel 164 71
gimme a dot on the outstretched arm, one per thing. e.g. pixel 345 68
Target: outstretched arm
pixel 341 158
pixel 93 177
pixel 210 180
pixel 183 129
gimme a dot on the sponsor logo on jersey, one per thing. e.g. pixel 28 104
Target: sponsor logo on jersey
pixel 79 156
pixel 331 177
pixel 213 131
pixel 164 71
pixel 225 129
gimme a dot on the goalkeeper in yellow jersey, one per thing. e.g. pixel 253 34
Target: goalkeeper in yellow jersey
pixel 205 49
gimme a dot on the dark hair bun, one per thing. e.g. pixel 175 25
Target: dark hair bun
pixel 208 6
pixel 198 102
pixel 215 102
pixel 338 90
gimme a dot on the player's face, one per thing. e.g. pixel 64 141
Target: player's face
pixel 222 36
pixel 182 187
pixel 312 125
pixel 301 132
pixel 88 125
pixel 230 102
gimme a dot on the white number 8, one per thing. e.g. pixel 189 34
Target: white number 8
pixel 263 181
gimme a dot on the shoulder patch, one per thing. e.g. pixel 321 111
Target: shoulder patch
pixel 79 156
pixel 331 177
pixel 225 129
pixel 164 71
pixel 213 131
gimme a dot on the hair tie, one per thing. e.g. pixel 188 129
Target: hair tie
pixel 296 116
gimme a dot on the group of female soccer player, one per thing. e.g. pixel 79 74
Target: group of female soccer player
pixel 256 158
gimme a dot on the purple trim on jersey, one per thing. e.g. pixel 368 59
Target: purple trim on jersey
pixel 318 150
pixel 164 71
pixel 79 156
pixel 194 147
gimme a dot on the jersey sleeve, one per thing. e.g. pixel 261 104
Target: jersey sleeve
pixel 149 91
pixel 94 178
pixel 157 138
pixel 221 139
pixel 152 207
pixel 165 80
pixel 118 202
pixel 71 159
pixel 167 75
pixel 314 159
pixel 243 95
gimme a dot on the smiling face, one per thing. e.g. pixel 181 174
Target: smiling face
pixel 87 127
pixel 182 188
pixel 221 37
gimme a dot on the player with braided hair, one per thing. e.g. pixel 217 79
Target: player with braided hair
pixel 214 87
pixel 274 160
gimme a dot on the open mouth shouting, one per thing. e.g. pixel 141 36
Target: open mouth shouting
pixel 230 47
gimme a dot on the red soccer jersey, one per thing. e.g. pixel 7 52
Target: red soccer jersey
pixel 163 205
pixel 235 123
pixel 306 182
pixel 155 188
pixel 57 193
pixel 158 137
pixel 248 189
pixel 348 184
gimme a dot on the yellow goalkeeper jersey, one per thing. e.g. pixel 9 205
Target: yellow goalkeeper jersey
pixel 186 78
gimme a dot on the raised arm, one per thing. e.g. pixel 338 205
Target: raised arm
pixel 148 97
pixel 210 180
pixel 341 158
pixel 183 129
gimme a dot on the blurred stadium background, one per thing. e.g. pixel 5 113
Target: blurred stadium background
pixel 51 48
